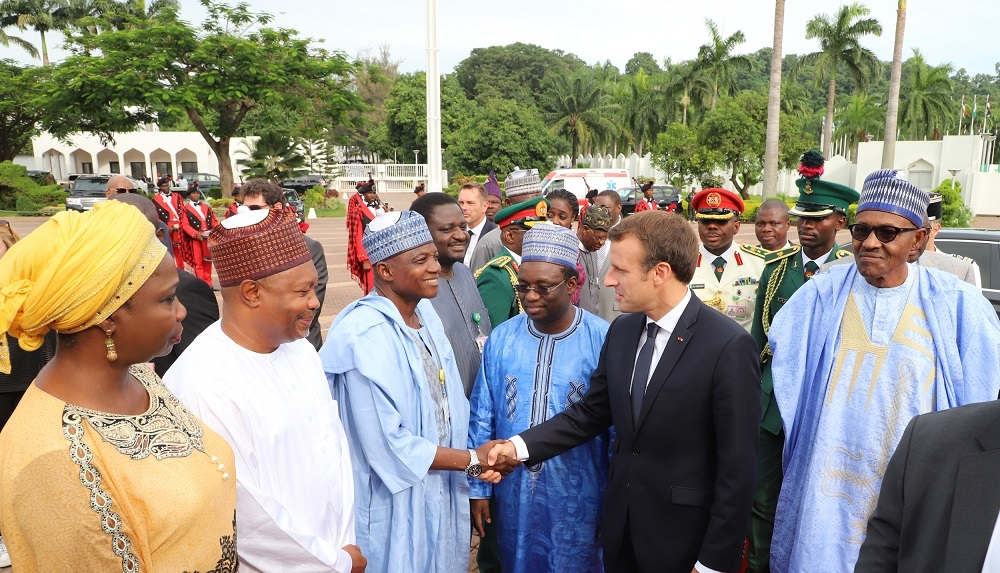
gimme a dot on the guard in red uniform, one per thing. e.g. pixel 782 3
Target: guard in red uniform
pixel 646 204
pixel 197 222
pixel 168 207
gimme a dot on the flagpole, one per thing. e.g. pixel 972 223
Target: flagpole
pixel 986 114
pixel 434 182
pixel 972 124
pixel 961 116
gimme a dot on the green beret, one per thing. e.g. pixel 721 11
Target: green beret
pixel 525 214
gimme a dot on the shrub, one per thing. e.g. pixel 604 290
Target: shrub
pixel 48 196
pixel 15 183
pixel 24 203
pixel 314 198
pixel 954 211
pixel 220 203
pixel 49 211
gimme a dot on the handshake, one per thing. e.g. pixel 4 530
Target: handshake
pixel 498 458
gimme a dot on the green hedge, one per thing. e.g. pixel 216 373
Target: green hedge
pixel 17 190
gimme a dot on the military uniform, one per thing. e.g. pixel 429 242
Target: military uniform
pixel 497 278
pixel 784 272
pixel 496 282
pixel 735 294
pixel 726 282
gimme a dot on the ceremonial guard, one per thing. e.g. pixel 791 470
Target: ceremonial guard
pixel 727 273
pixel 646 203
pixel 821 211
pixel 497 280
pixel 169 206
pixel 197 221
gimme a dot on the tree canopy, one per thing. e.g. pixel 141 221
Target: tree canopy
pixel 216 74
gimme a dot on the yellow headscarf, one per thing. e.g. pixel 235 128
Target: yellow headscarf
pixel 73 272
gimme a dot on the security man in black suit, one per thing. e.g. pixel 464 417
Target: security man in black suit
pixel 680 382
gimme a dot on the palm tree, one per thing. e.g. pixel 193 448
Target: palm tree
pixel 774 104
pixel 7 40
pixel 643 110
pixel 840 43
pixel 858 121
pixel 889 142
pixel 794 98
pixel 575 107
pixel 42 16
pixel 925 103
pixel 273 156
pixel 688 82
pixel 716 59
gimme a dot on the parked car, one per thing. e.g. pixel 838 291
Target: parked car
pixel 293 199
pixel 41 177
pixel 664 195
pixel 206 181
pixel 304 183
pixel 983 246
pixel 87 191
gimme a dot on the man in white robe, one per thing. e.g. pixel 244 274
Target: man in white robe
pixel 255 379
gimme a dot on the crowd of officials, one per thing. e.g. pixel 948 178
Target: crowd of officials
pixel 585 392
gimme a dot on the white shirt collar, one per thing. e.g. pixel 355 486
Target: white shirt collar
pixel 515 256
pixel 728 255
pixel 668 322
pixel 478 229
pixel 818 260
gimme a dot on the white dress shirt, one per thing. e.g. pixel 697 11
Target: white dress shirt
pixel 992 563
pixel 820 260
pixel 474 234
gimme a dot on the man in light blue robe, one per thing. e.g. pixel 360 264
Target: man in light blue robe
pixel 534 366
pixel 858 352
pixel 396 382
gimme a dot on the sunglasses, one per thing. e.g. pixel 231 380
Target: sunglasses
pixel 541 290
pixel 125 190
pixel 884 233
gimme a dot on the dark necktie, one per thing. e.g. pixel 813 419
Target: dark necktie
pixel 641 375
pixel 720 267
pixel 811 268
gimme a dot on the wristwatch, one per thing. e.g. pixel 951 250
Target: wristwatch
pixel 475 468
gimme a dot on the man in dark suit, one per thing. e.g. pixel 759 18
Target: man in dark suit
pixel 685 404
pixel 202 310
pixel 937 509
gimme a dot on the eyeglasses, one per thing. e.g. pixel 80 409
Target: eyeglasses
pixel 540 290
pixel 125 190
pixel 884 233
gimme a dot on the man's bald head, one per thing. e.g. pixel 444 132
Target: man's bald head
pixel 771 224
pixel 117 183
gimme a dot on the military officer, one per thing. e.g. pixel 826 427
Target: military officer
pixel 821 211
pixel 497 279
pixel 726 276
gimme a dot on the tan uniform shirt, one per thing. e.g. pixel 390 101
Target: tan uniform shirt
pixel 735 295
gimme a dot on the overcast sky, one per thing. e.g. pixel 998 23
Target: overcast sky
pixel 961 32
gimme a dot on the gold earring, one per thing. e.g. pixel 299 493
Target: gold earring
pixel 112 351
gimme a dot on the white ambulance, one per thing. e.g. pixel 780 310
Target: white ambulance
pixel 579 181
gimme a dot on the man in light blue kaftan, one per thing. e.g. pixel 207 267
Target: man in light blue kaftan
pixel 536 365
pixel 858 352
pixel 396 382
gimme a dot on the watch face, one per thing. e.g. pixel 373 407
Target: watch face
pixel 474 470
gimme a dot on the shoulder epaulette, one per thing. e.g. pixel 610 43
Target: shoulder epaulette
pixel 498 262
pixel 760 252
pixel 841 253
pixel 961 258
pixel 773 256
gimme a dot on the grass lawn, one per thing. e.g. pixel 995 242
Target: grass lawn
pixel 339 211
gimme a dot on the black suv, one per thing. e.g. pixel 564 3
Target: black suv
pixel 983 246
pixel 304 183
pixel 87 191
pixel 664 195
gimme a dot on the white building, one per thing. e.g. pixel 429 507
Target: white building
pixel 137 154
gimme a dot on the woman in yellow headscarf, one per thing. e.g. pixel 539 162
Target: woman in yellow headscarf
pixel 101 467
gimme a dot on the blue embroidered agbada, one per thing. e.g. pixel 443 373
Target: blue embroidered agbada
pixel 546 515
pixel 409 518
pixel 852 365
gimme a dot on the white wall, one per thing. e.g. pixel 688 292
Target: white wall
pixel 63 158
pixel 26 160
